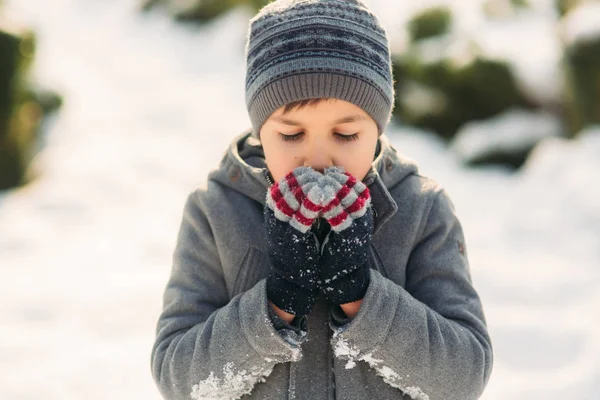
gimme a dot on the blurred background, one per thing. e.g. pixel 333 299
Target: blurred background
pixel 111 112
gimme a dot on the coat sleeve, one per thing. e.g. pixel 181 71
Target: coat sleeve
pixel 428 339
pixel 207 345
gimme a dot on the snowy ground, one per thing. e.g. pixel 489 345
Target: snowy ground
pixel 149 107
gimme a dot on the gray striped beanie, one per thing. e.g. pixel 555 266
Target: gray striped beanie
pixel 303 49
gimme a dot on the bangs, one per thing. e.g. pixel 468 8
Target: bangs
pixel 303 103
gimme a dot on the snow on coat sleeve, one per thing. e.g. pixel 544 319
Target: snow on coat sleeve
pixel 428 339
pixel 208 346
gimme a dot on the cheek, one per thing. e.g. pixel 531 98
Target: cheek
pixel 279 160
pixel 357 165
pixel 359 160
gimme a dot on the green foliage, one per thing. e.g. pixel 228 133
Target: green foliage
pixel 520 3
pixel 564 6
pixel 513 159
pixel 454 94
pixel 429 23
pixel 256 5
pixel 48 100
pixel 206 10
pixel 147 5
pixel 202 11
pixel 583 84
pixel 17 146
pixel 9 153
pixel 19 114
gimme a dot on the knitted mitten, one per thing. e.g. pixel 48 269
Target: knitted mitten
pixel 344 260
pixel 292 205
pixel 297 198
pixel 344 198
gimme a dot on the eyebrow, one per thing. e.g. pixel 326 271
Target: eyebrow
pixel 350 118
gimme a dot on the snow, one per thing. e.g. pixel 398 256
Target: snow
pixel 582 24
pixel 512 131
pixel 149 107
pixel 232 385
pixel 529 42
pixel 346 351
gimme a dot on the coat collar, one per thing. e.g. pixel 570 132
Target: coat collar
pixel 243 169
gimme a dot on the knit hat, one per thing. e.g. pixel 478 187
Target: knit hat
pixel 304 49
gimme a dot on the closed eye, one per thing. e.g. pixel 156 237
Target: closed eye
pixel 297 136
pixel 288 138
pixel 341 136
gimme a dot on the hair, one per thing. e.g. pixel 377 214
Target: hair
pixel 303 103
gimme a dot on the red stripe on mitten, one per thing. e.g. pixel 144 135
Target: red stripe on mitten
pixel 344 198
pixel 297 198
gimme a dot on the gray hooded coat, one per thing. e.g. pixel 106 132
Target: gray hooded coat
pixel 420 332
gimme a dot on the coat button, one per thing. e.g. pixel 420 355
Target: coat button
pixel 389 164
pixel 235 174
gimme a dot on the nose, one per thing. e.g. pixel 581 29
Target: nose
pixel 318 156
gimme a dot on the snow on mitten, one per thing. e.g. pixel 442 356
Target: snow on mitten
pixel 292 282
pixel 344 257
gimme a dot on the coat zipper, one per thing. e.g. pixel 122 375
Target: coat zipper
pixel 268 178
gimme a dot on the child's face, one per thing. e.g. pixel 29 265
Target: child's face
pixel 315 136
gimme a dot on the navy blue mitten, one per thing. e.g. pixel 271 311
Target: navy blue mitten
pixel 292 205
pixel 344 259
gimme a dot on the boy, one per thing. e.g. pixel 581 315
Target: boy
pixel 317 263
